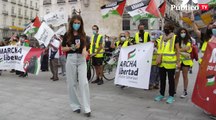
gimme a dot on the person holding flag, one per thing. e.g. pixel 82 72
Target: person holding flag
pixel 204 37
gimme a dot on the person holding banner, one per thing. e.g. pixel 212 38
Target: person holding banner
pixel 168 59
pixel 185 59
pixel 74 43
pixel 141 36
pixel 1 45
pixel 122 42
pixel 154 75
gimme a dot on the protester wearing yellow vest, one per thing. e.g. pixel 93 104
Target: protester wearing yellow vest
pixel 154 75
pixel 186 62
pixel 168 58
pixel 141 36
pixel 122 42
pixel 96 52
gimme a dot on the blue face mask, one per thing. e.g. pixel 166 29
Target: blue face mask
pixel 94 32
pixel 76 26
pixel 153 37
pixel 214 31
pixel 183 35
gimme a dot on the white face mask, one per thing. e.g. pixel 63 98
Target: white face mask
pixel 123 38
pixel 106 39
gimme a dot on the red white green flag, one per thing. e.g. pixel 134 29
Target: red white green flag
pixel 33 26
pixel 115 8
pixel 153 9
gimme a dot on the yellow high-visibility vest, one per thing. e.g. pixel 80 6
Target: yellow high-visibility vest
pixel 146 34
pixel 125 44
pixel 187 61
pixel 97 45
pixel 203 49
pixel 168 53
pixel 154 57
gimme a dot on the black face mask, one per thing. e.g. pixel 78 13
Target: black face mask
pixel 141 31
pixel 166 31
pixel 209 32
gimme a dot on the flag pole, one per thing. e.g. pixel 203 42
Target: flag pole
pixel 162 19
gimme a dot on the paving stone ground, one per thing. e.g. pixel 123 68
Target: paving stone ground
pixel 38 98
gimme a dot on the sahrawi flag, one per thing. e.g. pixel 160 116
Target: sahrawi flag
pixel 115 8
pixel 155 10
pixel 138 10
pixel 33 26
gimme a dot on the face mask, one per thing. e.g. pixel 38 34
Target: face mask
pixel 183 35
pixel 94 32
pixel 166 31
pixel 123 38
pixel 214 31
pixel 141 31
pixel 76 26
pixel 209 32
pixel 106 39
pixel 153 37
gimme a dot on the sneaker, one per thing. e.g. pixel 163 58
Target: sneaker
pixel 156 86
pixel 170 100
pixel 151 87
pixel 159 98
pixel 184 95
pixel 100 82
pixel 96 81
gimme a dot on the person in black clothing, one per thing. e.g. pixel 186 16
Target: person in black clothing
pixel 108 49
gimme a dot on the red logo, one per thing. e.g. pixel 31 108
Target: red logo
pixel 203 7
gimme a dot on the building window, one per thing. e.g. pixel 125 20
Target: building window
pixel 13 22
pixel 31 14
pixel 20 22
pixel 12 10
pixel 126 25
pixel 19 11
pixel 36 5
pixel 60 1
pixel 30 3
pixel 144 22
pixel 46 2
pixel 25 13
pixel 72 0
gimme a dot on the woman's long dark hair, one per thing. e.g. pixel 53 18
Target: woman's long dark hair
pixel 187 37
pixel 208 33
pixel 81 31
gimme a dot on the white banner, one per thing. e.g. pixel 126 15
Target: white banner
pixel 61 31
pixel 134 66
pixel 55 41
pixel 44 34
pixel 24 59
pixel 56 18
